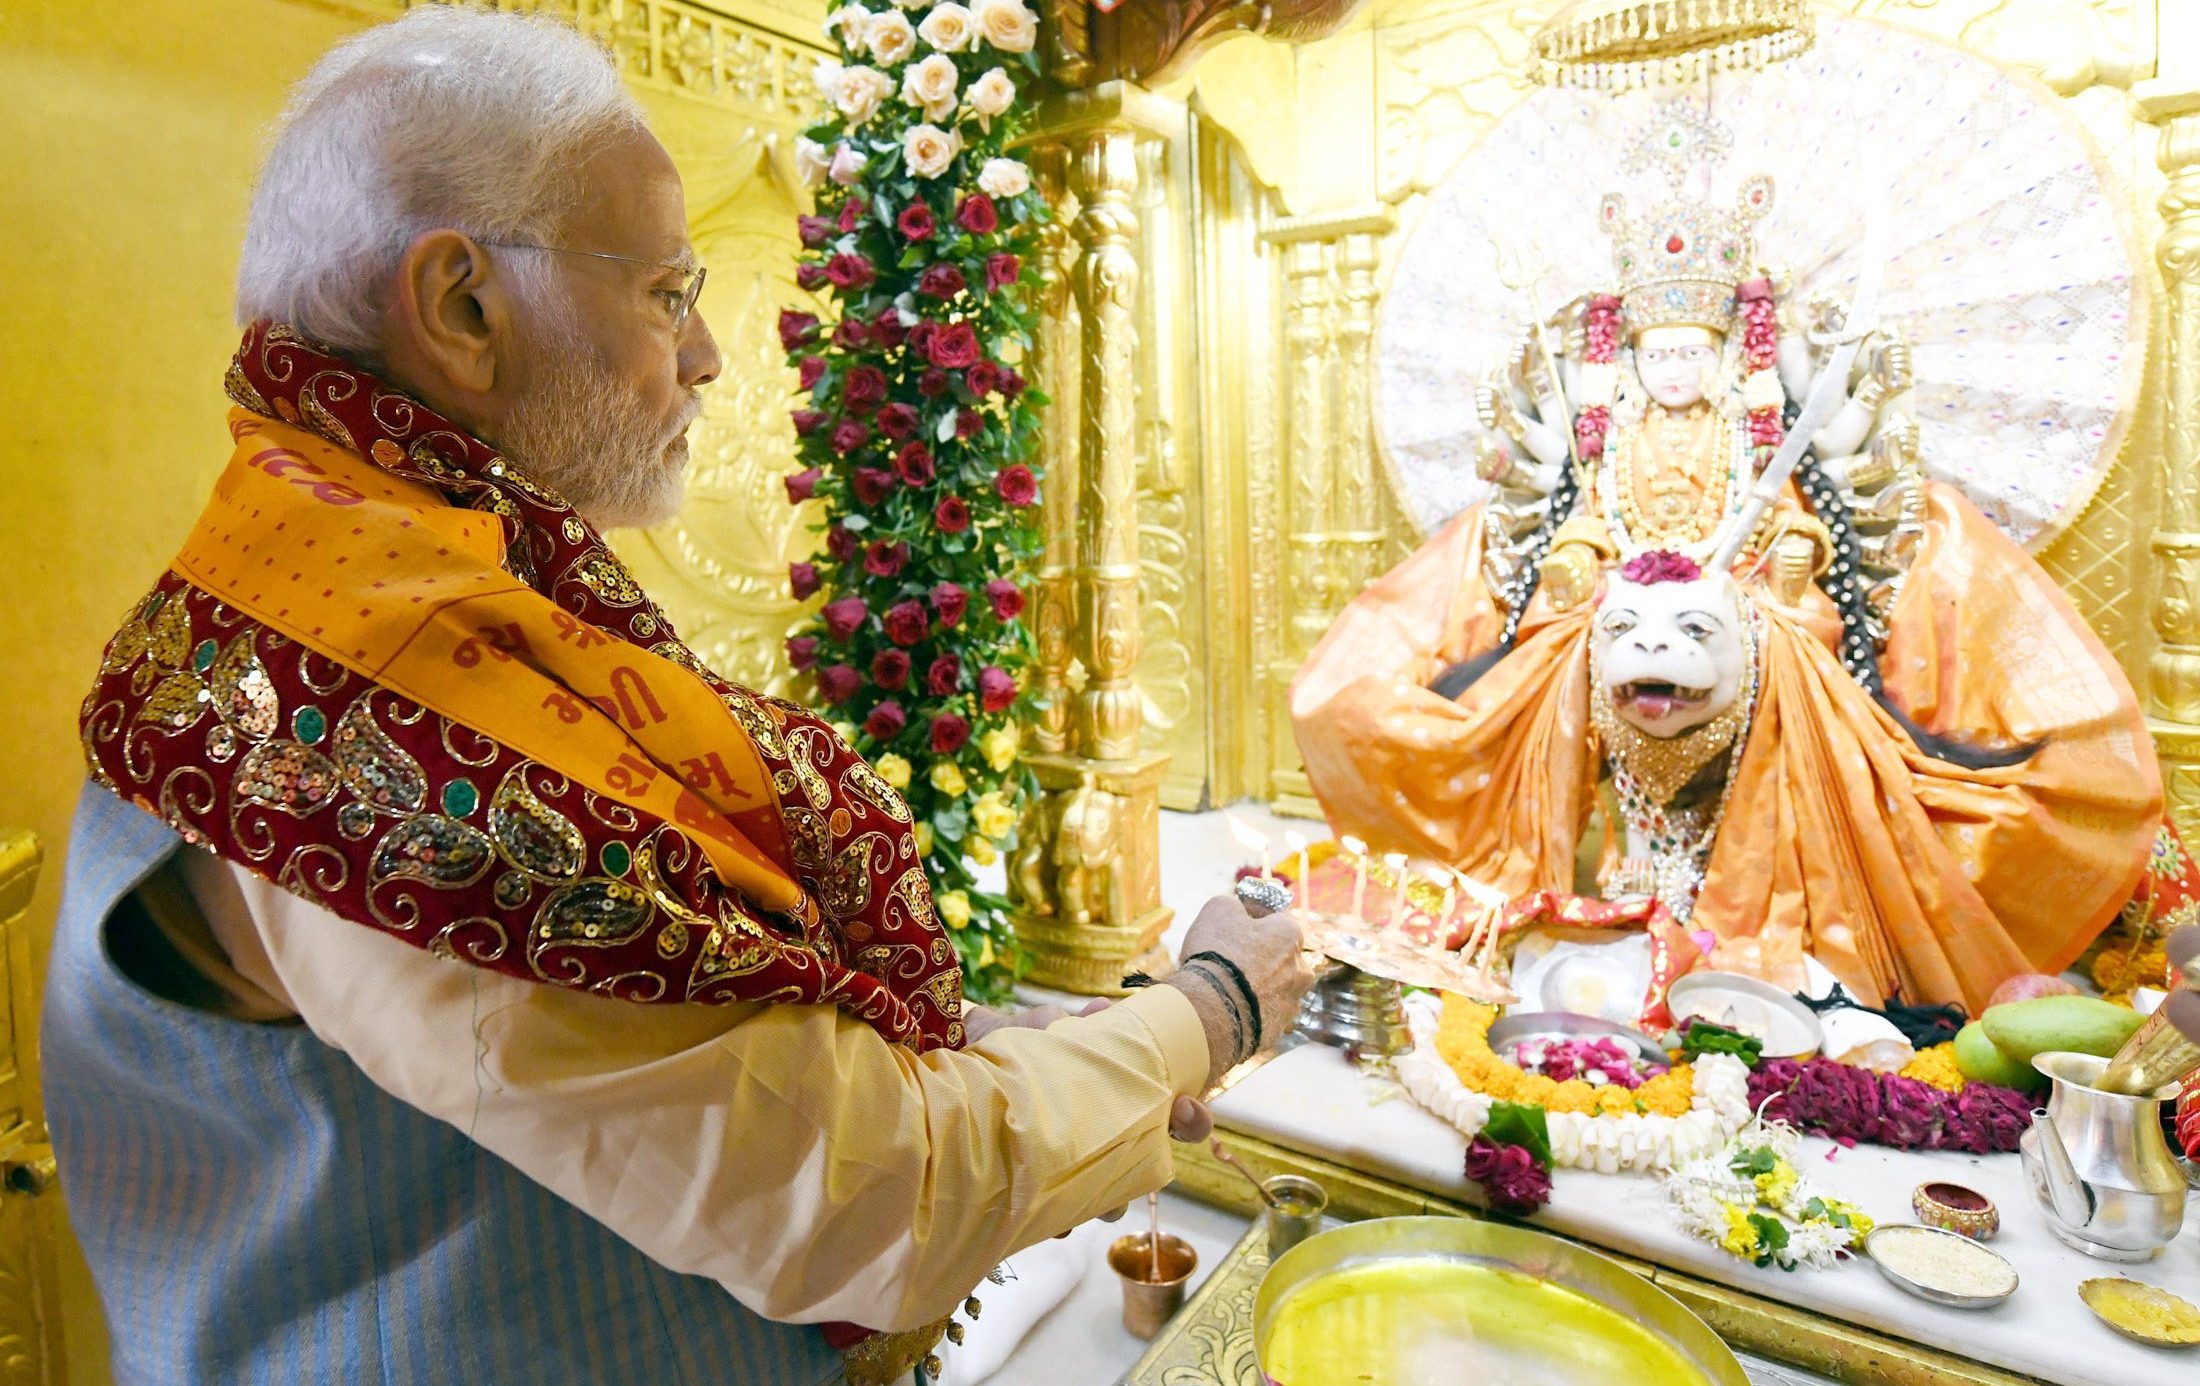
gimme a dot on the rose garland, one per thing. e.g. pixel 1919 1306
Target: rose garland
pixel 1600 376
pixel 1762 393
pixel 1750 1202
pixel 916 430
pixel 1853 1105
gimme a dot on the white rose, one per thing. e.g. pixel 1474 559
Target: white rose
pixel 948 28
pixel 846 24
pixel 1006 24
pixel 1003 178
pixel 890 37
pixel 992 94
pixel 928 150
pixel 858 93
pixel 811 160
pixel 931 85
pixel 827 75
pixel 847 166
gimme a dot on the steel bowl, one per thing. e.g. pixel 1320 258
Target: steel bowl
pixel 1526 1025
pixel 1595 1277
pixel 1792 1027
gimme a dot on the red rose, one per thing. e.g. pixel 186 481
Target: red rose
pixel 840 542
pixel 844 617
pixel 886 329
pixel 849 435
pixel 1016 485
pixel 983 379
pixel 898 420
pixel 802 652
pixel 1012 384
pixel 1007 598
pixel 919 335
pixel 942 281
pixel 815 230
pixel 914 465
pixel 851 213
pixel 807 422
pixel 804 579
pixel 949 734
pixel 810 370
pixel 865 388
pixel 810 277
pixel 944 677
pixel 916 222
pixel 933 383
pixel 885 560
pixel 873 484
pixel 850 272
pixel 838 683
pixel 886 721
pixel 954 346
pixel 795 328
pixel 1001 270
pixel 950 601
pixel 996 690
pixel 969 423
pixel 906 623
pixel 851 335
pixel 978 216
pixel 890 669
pixel 951 516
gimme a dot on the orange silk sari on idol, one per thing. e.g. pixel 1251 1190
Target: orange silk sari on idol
pixel 395 676
pixel 1841 839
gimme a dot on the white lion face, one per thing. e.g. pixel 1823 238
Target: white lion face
pixel 1670 655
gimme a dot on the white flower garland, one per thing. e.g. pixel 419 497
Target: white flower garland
pixel 1715 1201
pixel 1610 1144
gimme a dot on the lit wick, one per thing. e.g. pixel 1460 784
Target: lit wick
pixel 1253 840
pixel 1396 861
pixel 1298 844
pixel 1358 849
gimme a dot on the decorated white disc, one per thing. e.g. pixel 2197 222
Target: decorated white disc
pixel 2011 267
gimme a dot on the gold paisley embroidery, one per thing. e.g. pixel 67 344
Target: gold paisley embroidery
pixel 244 695
pixel 531 835
pixel 866 784
pixel 444 852
pixel 376 768
pixel 288 776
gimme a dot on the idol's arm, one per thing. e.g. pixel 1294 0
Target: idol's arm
pixel 817 1171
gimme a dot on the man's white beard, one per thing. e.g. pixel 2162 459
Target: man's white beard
pixel 591 441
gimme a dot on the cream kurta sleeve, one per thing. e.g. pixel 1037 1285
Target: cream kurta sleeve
pixel 814 1169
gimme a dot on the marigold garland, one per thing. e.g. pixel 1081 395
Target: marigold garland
pixel 1463 1040
pixel 1936 1067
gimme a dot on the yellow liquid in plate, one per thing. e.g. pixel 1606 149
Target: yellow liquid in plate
pixel 1441 1321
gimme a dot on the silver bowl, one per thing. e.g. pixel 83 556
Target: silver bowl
pixel 1525 1025
pixel 1924 1291
pixel 1595 1277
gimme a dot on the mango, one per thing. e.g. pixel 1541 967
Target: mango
pixel 1981 1062
pixel 2080 1024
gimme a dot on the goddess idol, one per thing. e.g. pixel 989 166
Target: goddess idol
pixel 1818 703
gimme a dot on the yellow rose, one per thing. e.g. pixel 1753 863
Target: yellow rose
pixel 985 952
pixel 928 150
pixel 948 28
pixel 947 778
pixel 1006 24
pixel 894 770
pixel 991 815
pixel 992 94
pixel 954 908
pixel 890 37
pixel 924 839
pixel 1003 178
pixel 981 850
pixel 931 85
pixel 998 746
pixel 846 731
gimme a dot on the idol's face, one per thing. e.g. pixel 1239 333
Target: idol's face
pixel 1675 364
pixel 1670 655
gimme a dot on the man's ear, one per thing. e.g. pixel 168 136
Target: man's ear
pixel 451 311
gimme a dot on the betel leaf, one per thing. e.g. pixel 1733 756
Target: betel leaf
pixel 1754 1161
pixel 1511 1123
pixel 1702 1037
pixel 1772 1237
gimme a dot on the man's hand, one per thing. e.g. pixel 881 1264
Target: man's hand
pixel 1266 952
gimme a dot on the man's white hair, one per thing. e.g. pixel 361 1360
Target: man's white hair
pixel 448 117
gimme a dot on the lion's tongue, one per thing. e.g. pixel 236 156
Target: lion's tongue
pixel 1656 706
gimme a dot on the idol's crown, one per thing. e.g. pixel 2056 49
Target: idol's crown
pixel 1679 261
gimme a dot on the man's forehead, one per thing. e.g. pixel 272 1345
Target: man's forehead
pixel 631 194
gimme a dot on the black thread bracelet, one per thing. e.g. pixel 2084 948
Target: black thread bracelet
pixel 1238 1052
pixel 1245 988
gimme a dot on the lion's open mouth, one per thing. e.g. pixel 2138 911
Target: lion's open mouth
pixel 1654 701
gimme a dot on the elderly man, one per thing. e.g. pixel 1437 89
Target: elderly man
pixel 456 980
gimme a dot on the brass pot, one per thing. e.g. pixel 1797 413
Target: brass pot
pixel 1593 1276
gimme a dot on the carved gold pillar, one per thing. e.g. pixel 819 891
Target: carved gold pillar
pixel 2173 674
pixel 1356 550
pixel 1086 881
pixel 1055 367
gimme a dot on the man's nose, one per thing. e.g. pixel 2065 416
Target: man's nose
pixel 700 362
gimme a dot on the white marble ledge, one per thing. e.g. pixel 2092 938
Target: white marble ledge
pixel 1312 1100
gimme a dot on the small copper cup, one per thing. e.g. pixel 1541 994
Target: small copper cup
pixel 1149 1303
pixel 1295 1213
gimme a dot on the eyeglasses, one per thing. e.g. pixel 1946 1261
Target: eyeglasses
pixel 690 289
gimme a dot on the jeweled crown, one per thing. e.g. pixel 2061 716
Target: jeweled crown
pixel 1679 261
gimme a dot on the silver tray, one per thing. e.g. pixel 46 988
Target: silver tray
pixel 1923 1291
pixel 1585 1272
pixel 1525 1025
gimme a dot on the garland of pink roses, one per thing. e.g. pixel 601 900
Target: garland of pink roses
pixel 1762 394
pixel 915 430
